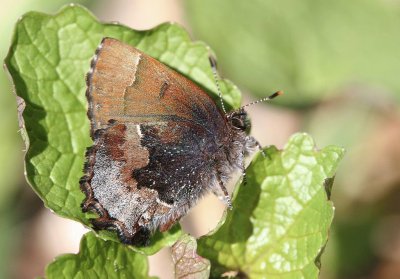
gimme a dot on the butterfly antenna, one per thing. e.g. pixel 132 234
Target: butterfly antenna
pixel 213 64
pixel 270 97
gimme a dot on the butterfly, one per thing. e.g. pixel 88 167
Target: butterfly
pixel 160 143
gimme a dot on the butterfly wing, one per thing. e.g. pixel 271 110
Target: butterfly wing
pixel 127 85
pixel 151 127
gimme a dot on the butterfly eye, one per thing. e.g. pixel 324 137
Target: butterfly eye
pixel 239 121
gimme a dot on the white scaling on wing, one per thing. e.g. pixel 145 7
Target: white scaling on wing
pixel 139 132
pixel 108 190
pixel 163 203
pixel 136 60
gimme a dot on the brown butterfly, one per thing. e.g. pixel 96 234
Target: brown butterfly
pixel 160 143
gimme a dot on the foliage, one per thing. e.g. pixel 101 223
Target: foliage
pixel 280 219
pixel 99 259
pixel 186 261
pixel 309 49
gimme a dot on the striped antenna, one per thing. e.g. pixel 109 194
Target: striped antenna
pixel 213 64
pixel 270 97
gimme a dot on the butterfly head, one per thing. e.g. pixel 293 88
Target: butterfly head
pixel 239 120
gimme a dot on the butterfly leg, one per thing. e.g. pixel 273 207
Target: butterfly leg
pixel 226 198
pixel 243 169
pixel 260 148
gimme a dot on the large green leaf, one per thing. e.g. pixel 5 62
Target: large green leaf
pixel 48 61
pixel 280 220
pixel 10 141
pixel 99 259
pixel 309 49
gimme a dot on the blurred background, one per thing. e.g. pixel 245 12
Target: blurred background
pixel 338 62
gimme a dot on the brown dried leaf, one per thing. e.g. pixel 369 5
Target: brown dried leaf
pixel 189 265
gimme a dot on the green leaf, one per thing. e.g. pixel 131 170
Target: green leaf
pixel 48 60
pixel 310 49
pixel 280 220
pixel 99 259
pixel 10 141
pixel 187 263
pixel 158 240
